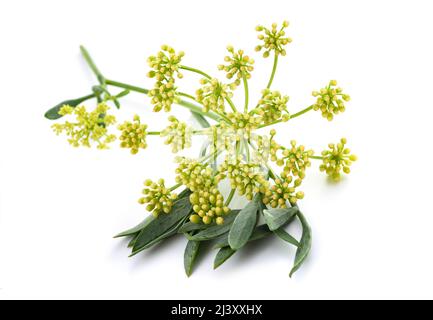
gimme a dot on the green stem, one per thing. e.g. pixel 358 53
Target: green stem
pixel 244 78
pixel 247 150
pixel 153 133
pixel 301 112
pixel 269 124
pixel 209 156
pixel 204 74
pixel 186 95
pixel 238 148
pixel 230 197
pixel 92 65
pixel 182 94
pixel 175 187
pixel 291 117
pixel 274 69
pixel 197 109
pixel 193 107
pixel 232 105
pixel 126 86
pixel 316 157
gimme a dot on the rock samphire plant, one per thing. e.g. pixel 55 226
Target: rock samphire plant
pixel 236 150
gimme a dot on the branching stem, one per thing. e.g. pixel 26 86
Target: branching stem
pixel 274 69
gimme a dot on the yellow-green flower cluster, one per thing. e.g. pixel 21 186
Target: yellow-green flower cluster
pixel 193 174
pixel 208 205
pixel 246 178
pixel 88 126
pixel 133 135
pixel 238 65
pixel 177 134
pixel 272 105
pixel 165 67
pixel 207 201
pixel 337 159
pixel 295 159
pixel 273 39
pixel 213 93
pixel 157 197
pixel 330 100
pixel 283 191
pixel 242 123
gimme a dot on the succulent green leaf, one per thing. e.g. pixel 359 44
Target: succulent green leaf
pixel 183 194
pixel 282 234
pixel 136 229
pixel 244 224
pixel 215 231
pixel 53 113
pixel 116 103
pixel 132 241
pixel 304 244
pixel 259 233
pixel 276 218
pixel 122 94
pixel 190 255
pixel 172 231
pixel 163 224
pixel 222 256
pixel 190 226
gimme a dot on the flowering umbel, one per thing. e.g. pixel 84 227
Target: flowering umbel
pixel 133 135
pixel 237 160
pixel 330 100
pixel 165 67
pixel 337 159
pixel 88 127
pixel 238 65
pixel 157 197
pixel 273 106
pixel 213 93
pixel 274 39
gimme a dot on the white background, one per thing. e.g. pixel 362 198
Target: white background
pixel 60 206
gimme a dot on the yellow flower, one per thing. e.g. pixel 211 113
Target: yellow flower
pixel 212 94
pixel 165 66
pixel 296 160
pixel 271 107
pixel 283 191
pixel 208 204
pixel 88 127
pixel 157 197
pixel 337 160
pixel 247 178
pixel 273 39
pixel 133 135
pixel 194 175
pixel 330 100
pixel 238 65
pixel 242 124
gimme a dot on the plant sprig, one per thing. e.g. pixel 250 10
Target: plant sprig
pixel 236 150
